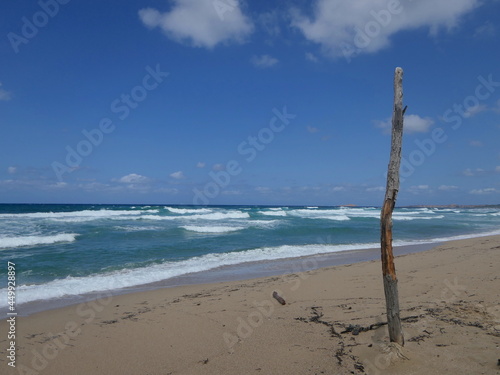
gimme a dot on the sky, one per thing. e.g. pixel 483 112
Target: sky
pixel 247 102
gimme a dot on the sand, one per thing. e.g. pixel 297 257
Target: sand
pixel 449 298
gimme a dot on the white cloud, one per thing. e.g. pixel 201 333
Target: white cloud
pixel 312 129
pixel 417 124
pixel 311 57
pixel 177 175
pixel 133 178
pixel 12 170
pixel 468 172
pixel 476 172
pixel 32 182
pixel 349 28
pixel 417 189
pixel 484 191
pixel 264 61
pixel 201 23
pixel 384 125
pixel 375 188
pixel 4 94
pixel 412 124
pixel 447 187
pixel 201 165
pixel 497 169
pixel 219 167
pixel 472 111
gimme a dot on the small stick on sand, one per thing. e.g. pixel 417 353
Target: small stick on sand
pixel 279 298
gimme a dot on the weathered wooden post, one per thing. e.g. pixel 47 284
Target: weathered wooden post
pixel 388 269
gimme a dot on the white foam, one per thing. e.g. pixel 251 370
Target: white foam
pixel 206 229
pixel 154 217
pixel 131 228
pixel 184 211
pixel 266 224
pixel 446 239
pixel 408 218
pixel 78 216
pixel 273 213
pixel 80 219
pixel 221 216
pixel 13 242
pixel 337 217
pixel 139 276
pixel 209 216
pixel 320 214
pixel 400 214
pixel 360 212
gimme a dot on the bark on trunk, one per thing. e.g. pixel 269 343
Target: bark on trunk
pixel 388 269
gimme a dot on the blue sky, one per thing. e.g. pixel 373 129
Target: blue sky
pixel 239 102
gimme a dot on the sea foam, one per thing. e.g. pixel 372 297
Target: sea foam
pixel 215 229
pixel 184 211
pixel 71 286
pixel 273 213
pixel 20 241
pixel 320 214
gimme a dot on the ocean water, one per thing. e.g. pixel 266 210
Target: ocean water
pixel 69 250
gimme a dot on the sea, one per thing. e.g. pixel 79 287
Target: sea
pixel 64 253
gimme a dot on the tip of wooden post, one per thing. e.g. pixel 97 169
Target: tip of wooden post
pixel 399 70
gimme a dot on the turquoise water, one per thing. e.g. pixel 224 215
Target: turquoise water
pixel 69 250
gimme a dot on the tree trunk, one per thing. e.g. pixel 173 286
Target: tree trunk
pixel 388 269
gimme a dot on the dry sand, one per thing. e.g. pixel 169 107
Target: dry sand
pixel 449 298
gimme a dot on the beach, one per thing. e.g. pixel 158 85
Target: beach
pixel 449 298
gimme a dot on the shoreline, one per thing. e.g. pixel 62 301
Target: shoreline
pixel 449 304
pixel 244 271
pixel 238 272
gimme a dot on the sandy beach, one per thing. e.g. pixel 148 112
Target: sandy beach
pixel 332 323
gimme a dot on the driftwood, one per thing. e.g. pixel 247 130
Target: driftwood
pixel 388 268
pixel 279 298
